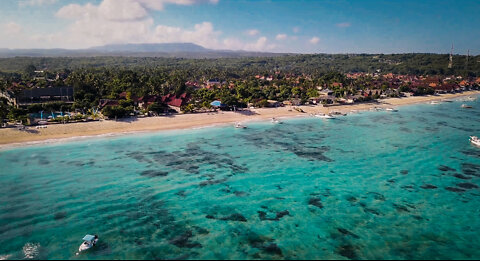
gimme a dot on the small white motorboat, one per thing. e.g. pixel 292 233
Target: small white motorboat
pixel 475 140
pixel 391 109
pixel 466 106
pixel 434 102
pixel 89 241
pixel 276 121
pixel 324 116
pixel 338 113
pixel 240 126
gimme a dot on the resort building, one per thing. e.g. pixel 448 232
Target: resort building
pixel 9 96
pixel 43 95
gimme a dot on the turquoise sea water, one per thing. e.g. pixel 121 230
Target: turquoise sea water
pixel 374 185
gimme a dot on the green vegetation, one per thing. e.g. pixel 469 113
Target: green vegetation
pixel 243 81
pixel 312 64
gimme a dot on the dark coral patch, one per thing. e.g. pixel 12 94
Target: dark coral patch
pixel 317 202
pixel 240 193
pixel 372 211
pixel 282 214
pixel 460 176
pixel 453 189
pixel 272 249
pixel 352 199
pixel 471 169
pixel 263 215
pixel 474 153
pixel 445 168
pixel 467 185
pixel 428 186
pixel 183 240
pixel 400 208
pixel 201 230
pixel 60 215
pixel 377 196
pixel 181 193
pixel 235 217
pixel 347 251
pixel 346 232
pixel 154 173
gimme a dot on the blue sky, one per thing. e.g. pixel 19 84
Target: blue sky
pixel 361 26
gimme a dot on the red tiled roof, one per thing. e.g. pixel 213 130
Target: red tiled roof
pixel 172 100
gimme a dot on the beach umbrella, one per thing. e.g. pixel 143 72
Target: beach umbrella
pixel 216 103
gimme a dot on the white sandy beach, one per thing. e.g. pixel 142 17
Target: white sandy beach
pixel 13 136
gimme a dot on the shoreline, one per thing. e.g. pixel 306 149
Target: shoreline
pixel 12 138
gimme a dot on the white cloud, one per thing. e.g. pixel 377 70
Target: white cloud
pixel 261 44
pixel 113 10
pixel 126 21
pixel 129 21
pixel 12 28
pixel 36 2
pixel 202 34
pixel 343 25
pixel 281 37
pixel 12 35
pixel 314 40
pixel 252 32
pixel 120 10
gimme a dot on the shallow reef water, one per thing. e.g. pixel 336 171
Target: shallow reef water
pixel 372 185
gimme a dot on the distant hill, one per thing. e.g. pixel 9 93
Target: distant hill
pixel 151 48
pixel 171 50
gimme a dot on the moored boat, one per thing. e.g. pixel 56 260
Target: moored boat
pixel 238 125
pixel 391 109
pixel 466 106
pixel 475 140
pixel 338 113
pixel 274 120
pixel 324 116
pixel 89 241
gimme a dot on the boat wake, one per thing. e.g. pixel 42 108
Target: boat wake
pixel 31 250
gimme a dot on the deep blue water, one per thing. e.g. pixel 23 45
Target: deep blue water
pixel 374 185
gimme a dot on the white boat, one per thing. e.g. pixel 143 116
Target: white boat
pixel 391 109
pixel 276 121
pixel 240 126
pixel 466 106
pixel 89 241
pixel 434 102
pixel 324 116
pixel 338 113
pixel 475 140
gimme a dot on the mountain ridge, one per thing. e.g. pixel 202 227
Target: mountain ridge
pixel 180 50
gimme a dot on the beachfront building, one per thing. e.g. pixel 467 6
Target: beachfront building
pixel 44 95
pixel 213 83
pixel 176 102
pixel 10 96
pixel 274 104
